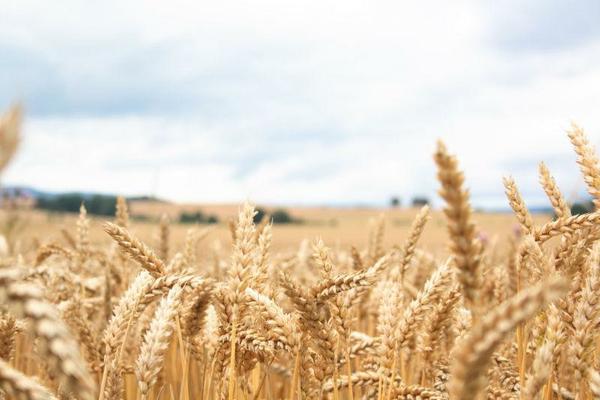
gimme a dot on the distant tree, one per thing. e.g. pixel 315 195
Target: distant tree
pixel 281 216
pixel 70 202
pixel 64 202
pixel 419 201
pixel 146 198
pixel 260 214
pixel 582 207
pixel 197 217
pixel 191 217
pixel 395 202
pixel 101 205
pixel 142 218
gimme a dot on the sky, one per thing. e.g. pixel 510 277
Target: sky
pixel 300 103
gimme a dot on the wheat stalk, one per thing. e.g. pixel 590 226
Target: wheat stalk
pixel 464 245
pixel 136 249
pixel 473 353
pixel 518 205
pixel 559 205
pixel 156 340
pixel 22 387
pixel 587 160
pixel 57 344
pixel 10 135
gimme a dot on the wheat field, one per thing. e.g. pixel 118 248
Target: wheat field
pixel 401 304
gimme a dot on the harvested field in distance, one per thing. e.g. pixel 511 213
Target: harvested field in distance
pixel 341 227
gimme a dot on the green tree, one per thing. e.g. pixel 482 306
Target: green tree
pixel 260 214
pixel 281 216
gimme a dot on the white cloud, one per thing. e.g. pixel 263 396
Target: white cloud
pixel 309 102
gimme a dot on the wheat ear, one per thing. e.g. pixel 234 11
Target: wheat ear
pixel 122 212
pixel 156 341
pixel 281 328
pixel 331 287
pixel 587 160
pixel 8 333
pixel 560 206
pixel 193 311
pixel 164 236
pixel 376 232
pixel 464 245
pixel 10 135
pixel 473 353
pixel 594 383
pixel 387 322
pixel 50 249
pixel 416 230
pixel 541 369
pixel 585 320
pixel 518 205
pixel 83 231
pixel 136 249
pixel 57 344
pixel 20 386
pixel 71 312
pixel 414 313
pixel 566 226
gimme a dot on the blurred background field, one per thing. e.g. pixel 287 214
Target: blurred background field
pixel 338 227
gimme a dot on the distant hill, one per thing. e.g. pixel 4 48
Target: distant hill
pixel 28 191
pixel 95 203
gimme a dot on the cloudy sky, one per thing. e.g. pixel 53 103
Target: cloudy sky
pixel 307 102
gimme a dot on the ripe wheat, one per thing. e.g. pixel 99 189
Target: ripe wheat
pixel 87 319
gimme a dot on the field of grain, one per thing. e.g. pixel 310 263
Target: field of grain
pixel 340 228
pixel 353 303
